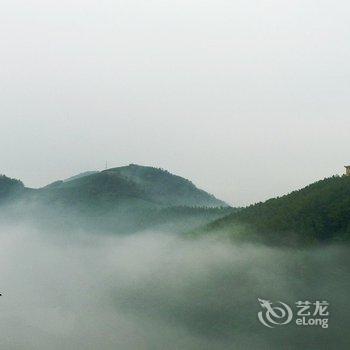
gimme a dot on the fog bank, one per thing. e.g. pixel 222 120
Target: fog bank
pixel 157 291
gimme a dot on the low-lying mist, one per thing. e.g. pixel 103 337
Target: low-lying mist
pixel 149 290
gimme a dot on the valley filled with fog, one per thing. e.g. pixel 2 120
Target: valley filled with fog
pixel 158 290
pixel 172 175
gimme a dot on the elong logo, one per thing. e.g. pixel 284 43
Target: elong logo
pixel 309 313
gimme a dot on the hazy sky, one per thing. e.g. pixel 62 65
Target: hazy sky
pixel 248 99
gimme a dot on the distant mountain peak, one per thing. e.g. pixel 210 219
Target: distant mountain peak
pixel 165 187
pixel 128 186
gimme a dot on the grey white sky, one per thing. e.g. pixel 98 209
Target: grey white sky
pixel 248 99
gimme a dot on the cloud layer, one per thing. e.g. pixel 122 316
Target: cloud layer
pixel 158 291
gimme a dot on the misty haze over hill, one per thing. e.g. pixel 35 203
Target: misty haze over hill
pixel 68 283
pixel 133 198
pixel 248 101
pixel 118 200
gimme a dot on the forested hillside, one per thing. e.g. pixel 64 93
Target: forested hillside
pixel 319 212
pixel 118 200
pixel 165 188
pixel 9 188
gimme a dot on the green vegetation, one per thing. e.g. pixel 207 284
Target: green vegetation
pixel 121 200
pixel 165 188
pixel 133 198
pixel 9 188
pixel 317 213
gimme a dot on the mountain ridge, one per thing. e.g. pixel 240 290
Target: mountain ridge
pixel 319 212
pixel 124 199
pixel 153 184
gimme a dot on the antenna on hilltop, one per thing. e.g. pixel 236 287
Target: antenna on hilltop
pixel 106 165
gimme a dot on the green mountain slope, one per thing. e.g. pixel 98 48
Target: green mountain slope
pixel 123 199
pixel 97 191
pixel 317 213
pixel 9 188
pixel 165 188
pixel 83 174
pixel 115 187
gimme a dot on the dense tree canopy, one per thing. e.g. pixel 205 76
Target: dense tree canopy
pixel 318 212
